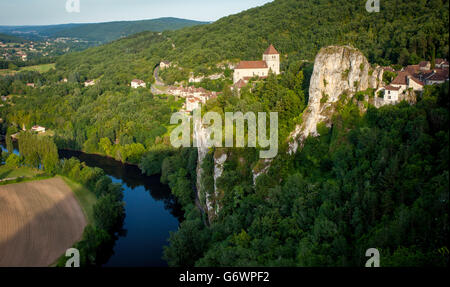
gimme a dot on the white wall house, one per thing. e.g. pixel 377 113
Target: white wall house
pixel 89 83
pixel 192 103
pixel 391 94
pixel 138 84
pixel 38 129
pixel 164 64
pixel 405 81
pixel 414 83
pixel 246 70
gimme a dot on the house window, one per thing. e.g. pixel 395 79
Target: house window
pixel 389 97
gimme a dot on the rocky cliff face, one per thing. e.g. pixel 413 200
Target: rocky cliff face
pixel 200 137
pixel 207 201
pixel 338 71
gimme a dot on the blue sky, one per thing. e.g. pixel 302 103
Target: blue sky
pixel 43 12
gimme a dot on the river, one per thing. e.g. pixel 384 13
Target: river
pixel 151 212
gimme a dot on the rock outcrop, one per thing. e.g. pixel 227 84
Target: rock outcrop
pixel 338 71
pixel 207 201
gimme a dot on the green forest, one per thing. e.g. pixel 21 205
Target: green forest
pixel 378 179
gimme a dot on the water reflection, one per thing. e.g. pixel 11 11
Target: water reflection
pixel 148 220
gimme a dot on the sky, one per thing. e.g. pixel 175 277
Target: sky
pixel 45 12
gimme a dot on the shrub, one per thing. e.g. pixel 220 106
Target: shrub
pixel 13 161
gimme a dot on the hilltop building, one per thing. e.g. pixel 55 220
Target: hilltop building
pixel 38 129
pixel 442 64
pixel 413 78
pixel 246 70
pixel 164 64
pixel 89 83
pixel 136 83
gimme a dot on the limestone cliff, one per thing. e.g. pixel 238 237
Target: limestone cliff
pixel 207 199
pixel 338 70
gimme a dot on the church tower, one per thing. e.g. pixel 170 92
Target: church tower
pixel 272 58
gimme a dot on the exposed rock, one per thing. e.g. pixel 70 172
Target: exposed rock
pixel 200 137
pixel 338 70
pixel 210 200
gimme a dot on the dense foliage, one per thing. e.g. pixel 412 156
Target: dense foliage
pixel 11 39
pixel 108 119
pixel 108 212
pixel 38 152
pixel 402 32
pixel 377 180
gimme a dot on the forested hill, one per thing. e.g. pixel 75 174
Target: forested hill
pixel 109 31
pixel 11 39
pixel 100 32
pixel 402 32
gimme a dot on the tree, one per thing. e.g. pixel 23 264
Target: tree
pixel 13 161
pixel 108 212
pixel 9 144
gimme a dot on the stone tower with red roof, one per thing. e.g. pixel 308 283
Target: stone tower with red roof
pixel 272 58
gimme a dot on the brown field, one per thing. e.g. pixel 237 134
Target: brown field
pixel 39 220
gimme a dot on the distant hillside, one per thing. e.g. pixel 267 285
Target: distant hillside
pixel 107 32
pixel 35 32
pixel 100 32
pixel 11 39
pixel 404 31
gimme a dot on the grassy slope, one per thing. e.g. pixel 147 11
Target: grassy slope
pixel 38 68
pixel 85 198
pixel 6 172
pixel 11 39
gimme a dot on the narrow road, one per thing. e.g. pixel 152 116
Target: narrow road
pixel 158 82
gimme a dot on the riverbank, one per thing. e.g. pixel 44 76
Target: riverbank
pixel 98 154
pixel 84 196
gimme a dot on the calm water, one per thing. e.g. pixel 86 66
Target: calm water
pixel 151 212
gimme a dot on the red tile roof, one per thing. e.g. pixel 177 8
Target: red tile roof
pixel 271 51
pixel 251 65
pixel 138 81
pixel 412 69
pixel 441 61
pixel 400 79
pixel 424 63
pixel 438 75
pixel 391 88
pixel 249 78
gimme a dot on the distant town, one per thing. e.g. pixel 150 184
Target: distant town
pixel 19 53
